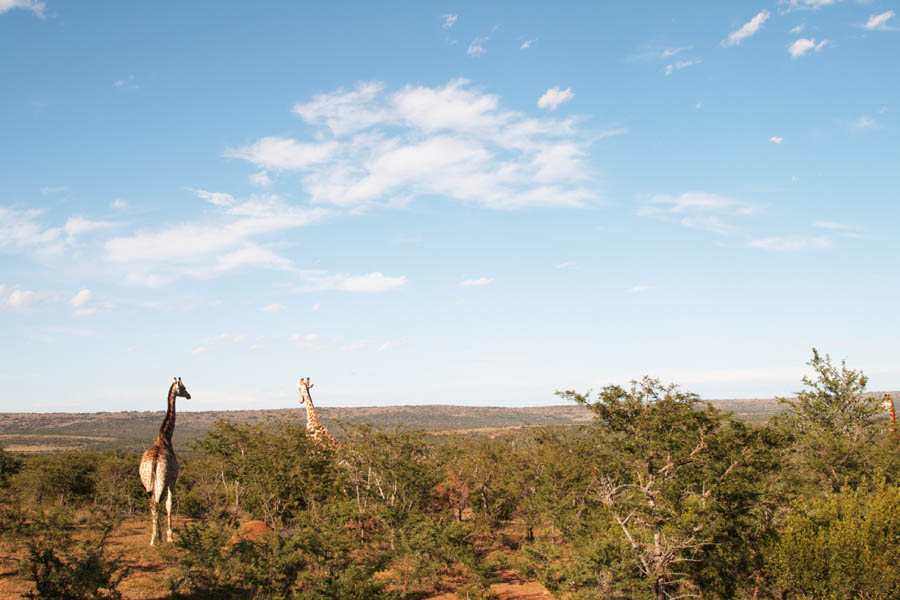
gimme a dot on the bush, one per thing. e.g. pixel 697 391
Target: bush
pixel 65 568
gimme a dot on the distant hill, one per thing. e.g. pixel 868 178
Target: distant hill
pixel 134 431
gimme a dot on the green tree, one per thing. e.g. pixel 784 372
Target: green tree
pixel 673 498
pixel 833 421
pixel 840 546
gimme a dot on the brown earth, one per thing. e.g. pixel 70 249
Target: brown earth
pixel 149 571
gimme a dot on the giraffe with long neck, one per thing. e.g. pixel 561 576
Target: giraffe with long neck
pixel 159 467
pixel 314 427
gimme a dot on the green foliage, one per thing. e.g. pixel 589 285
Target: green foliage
pixel 834 425
pixel 843 545
pixel 65 567
pixel 672 494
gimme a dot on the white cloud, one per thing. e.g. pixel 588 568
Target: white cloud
pixel 76 226
pixel 273 308
pixel 118 204
pixel 526 45
pixel 879 21
pixel 82 298
pixel 34 6
pixel 214 198
pixel 276 153
pixel 316 306
pixel 476 48
pixel 567 266
pixel 787 244
pixel 554 96
pixel 448 141
pixel 481 281
pixel 260 179
pixel 798 29
pixel 640 288
pixel 202 350
pixel 368 283
pixel 17 298
pixel 804 45
pixel 209 249
pixel 776 139
pixel 449 21
pixel 747 29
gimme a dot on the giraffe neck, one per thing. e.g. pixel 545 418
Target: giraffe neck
pixel 168 424
pixel 313 425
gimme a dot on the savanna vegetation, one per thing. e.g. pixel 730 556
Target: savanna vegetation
pixel 660 497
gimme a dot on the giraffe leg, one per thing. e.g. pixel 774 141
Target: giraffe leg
pixel 169 514
pixel 155 520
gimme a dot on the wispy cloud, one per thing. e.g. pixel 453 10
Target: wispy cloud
pixel 842 229
pixel 640 288
pixel 567 266
pixel 53 189
pixel 369 283
pixel 260 179
pixel 449 21
pixel 360 345
pixel 526 44
pixel 747 29
pixel 476 47
pixel 272 308
pixel 804 45
pixel 798 29
pixel 776 139
pixel 879 22
pixel 697 210
pixel 202 350
pixel 481 281
pixel 34 6
pixel 790 244
pixel 305 339
pixel 22 230
pixel 865 123
pixel 82 298
pixel 554 96
pixel 788 5
pixel 681 64
pixel 127 83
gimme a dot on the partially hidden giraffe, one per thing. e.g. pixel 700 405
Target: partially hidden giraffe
pixel 159 467
pixel 889 404
pixel 314 427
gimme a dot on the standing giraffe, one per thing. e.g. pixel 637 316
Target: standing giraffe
pixel 159 467
pixel 314 427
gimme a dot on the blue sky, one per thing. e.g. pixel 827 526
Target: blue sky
pixel 445 202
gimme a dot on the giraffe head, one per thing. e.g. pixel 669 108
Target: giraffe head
pixel 180 390
pixel 304 386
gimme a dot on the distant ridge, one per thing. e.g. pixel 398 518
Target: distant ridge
pixel 51 432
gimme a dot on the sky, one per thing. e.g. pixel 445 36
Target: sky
pixel 443 202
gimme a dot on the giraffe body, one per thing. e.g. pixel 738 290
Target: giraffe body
pixel 314 427
pixel 159 466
